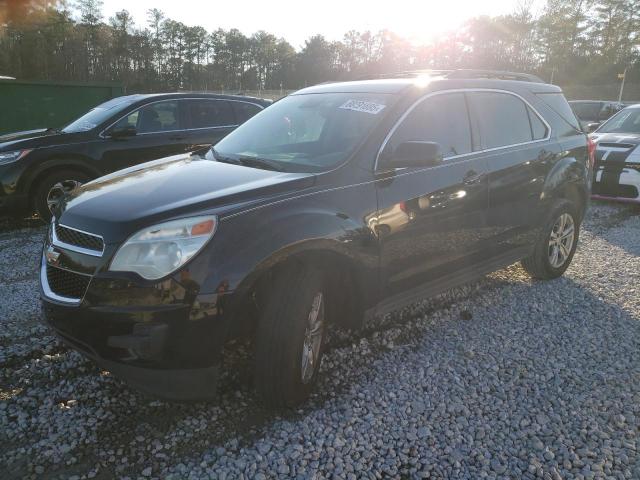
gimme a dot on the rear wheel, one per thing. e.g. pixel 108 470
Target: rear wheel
pixel 290 336
pixel 52 188
pixel 557 243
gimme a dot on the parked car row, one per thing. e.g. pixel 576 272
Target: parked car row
pixel 38 167
pixel 337 202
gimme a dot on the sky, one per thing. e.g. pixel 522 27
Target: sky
pixel 297 20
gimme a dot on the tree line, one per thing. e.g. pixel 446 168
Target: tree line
pixel 586 42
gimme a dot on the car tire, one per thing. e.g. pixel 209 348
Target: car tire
pixel 290 336
pixel 64 181
pixel 556 243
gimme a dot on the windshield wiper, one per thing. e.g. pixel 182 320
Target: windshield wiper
pixel 260 163
pixel 248 161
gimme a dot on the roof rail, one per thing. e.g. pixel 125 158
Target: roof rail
pixel 460 73
pixel 500 74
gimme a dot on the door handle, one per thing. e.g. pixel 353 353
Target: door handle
pixel 471 177
pixel 177 137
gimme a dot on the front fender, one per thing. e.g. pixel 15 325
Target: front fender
pixel 248 245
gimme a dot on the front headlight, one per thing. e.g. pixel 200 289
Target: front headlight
pixel 159 250
pixel 14 156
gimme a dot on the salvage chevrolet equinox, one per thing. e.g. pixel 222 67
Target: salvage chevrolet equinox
pixel 337 202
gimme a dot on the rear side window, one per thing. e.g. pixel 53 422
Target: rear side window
pixel 443 119
pixel 538 128
pixel 504 119
pixel 244 111
pixel 210 113
pixel 559 104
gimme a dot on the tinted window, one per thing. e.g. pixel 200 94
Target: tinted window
pixel 244 111
pixel 539 129
pixel 504 119
pixel 559 104
pixel 443 119
pixel 210 113
pixel 156 117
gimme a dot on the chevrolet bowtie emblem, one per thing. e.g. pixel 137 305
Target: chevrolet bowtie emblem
pixel 52 256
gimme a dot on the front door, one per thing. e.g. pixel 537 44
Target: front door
pixel 432 221
pixel 160 132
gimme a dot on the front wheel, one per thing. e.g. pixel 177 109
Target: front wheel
pixel 52 188
pixel 557 243
pixel 290 336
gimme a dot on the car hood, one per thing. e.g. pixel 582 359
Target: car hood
pixel 34 139
pixel 617 148
pixel 628 138
pixel 117 205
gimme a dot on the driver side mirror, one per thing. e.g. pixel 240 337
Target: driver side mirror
pixel 123 132
pixel 413 154
pixel 592 127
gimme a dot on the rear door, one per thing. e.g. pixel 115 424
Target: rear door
pixel 432 221
pixel 515 140
pixel 159 126
pixel 208 122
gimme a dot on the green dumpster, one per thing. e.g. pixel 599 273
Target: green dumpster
pixel 31 105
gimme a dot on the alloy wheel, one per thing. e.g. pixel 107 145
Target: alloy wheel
pixel 561 240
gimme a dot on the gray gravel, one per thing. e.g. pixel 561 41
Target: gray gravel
pixel 505 378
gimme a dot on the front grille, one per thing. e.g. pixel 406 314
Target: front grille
pixel 79 239
pixel 67 284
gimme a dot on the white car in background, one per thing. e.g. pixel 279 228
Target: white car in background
pixel 617 162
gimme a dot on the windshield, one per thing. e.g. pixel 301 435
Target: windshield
pixel 306 133
pixel 99 114
pixel 625 121
pixel 587 110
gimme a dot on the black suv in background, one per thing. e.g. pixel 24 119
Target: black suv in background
pixel 38 167
pixel 338 201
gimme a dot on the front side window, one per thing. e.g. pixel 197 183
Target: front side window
pixel 153 118
pixel 307 133
pixel 503 118
pixel 625 121
pixel 210 113
pixel 443 119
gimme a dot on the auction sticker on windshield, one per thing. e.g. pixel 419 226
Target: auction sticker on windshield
pixel 362 106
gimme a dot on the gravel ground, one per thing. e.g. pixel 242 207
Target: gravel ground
pixel 504 378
